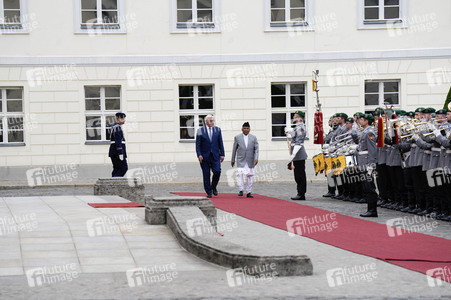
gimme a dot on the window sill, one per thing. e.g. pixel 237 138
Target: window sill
pixel 12 144
pixel 282 138
pixel 97 142
pixel 187 141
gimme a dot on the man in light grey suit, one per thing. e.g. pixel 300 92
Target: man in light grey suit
pixel 245 150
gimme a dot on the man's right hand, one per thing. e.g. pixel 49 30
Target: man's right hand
pixel 200 158
pixel 232 163
pixel 121 157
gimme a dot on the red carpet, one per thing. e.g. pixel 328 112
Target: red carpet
pixel 105 205
pixel 410 250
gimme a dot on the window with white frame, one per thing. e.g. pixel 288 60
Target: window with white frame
pixel 199 15
pixel 100 16
pixel 286 99
pixel 14 17
pixel 381 93
pixel 283 15
pixel 102 103
pixel 382 13
pixel 12 116
pixel 195 103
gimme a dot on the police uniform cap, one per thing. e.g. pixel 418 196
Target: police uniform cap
pixel 300 113
pixel 350 120
pixel 246 124
pixel 120 115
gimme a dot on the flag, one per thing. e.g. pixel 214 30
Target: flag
pixel 448 101
pixel 395 129
pixel 380 132
pixel 321 162
pixel 341 163
pixel 315 164
pixel 318 137
pixel 327 165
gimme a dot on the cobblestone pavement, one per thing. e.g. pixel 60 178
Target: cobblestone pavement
pixel 197 279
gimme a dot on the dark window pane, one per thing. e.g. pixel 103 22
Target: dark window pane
pixel 205 91
pixel 112 91
pixel 88 4
pixel 371 2
pixel 297 101
pixel 278 89
pixel 277 15
pixel 184 4
pixel 186 91
pixel 371 13
pixel 14 106
pixel 89 17
pixel 391 87
pixel 109 4
pixel 1 109
pixel 277 3
pixel 186 103
pixel 93 121
pixel 186 121
pixel 14 94
pixel 278 118
pixel 371 87
pixel 391 98
pixel 186 133
pixel 12 17
pixel 297 89
pixel 278 131
pixel 206 103
pixel 112 104
pixel 391 2
pixel 371 99
pixel 93 134
pixel 93 104
pixel 15 123
pixel 92 92
pixel 391 13
pixel 11 4
pixel 297 3
pixel 204 4
pixel 205 16
pixel 110 120
pixel 15 136
pixel 93 127
pixel 202 120
pixel 297 15
pixel 278 101
pixel 184 16
pixel 109 17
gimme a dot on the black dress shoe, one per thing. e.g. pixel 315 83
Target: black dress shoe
pixel 249 195
pixel 215 192
pixel 339 197
pixel 369 214
pixel 209 195
pixel 417 210
pixel 405 209
pixel 328 195
pixel 240 193
pixel 361 201
pixel 298 197
pixel 355 199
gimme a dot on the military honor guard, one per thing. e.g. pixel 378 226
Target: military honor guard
pixel 245 154
pixel 117 152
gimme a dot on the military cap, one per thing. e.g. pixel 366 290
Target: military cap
pixel 357 114
pixel 441 112
pixel 429 110
pixel 420 109
pixel 350 120
pixel 300 113
pixel 410 114
pixel 378 112
pixel 120 115
pixel 401 112
pixel 368 117
pixel 246 124
pixel 342 115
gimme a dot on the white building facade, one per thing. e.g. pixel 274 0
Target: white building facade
pixel 66 67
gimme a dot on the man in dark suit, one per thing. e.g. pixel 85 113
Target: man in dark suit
pixel 245 150
pixel 117 151
pixel 210 152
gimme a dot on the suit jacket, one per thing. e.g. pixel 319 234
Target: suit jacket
pixel 243 154
pixel 204 146
pixel 117 146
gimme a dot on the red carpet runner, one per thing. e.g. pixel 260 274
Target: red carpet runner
pixel 414 251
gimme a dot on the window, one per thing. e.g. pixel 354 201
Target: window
pixel 195 102
pixel 12 116
pixel 100 16
pixel 285 15
pixel 102 103
pixel 381 93
pixel 195 15
pixel 382 13
pixel 13 17
pixel 286 99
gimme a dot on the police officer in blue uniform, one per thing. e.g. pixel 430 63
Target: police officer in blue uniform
pixel 117 151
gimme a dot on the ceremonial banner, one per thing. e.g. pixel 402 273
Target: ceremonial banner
pixel 380 132
pixel 318 137
pixel 327 165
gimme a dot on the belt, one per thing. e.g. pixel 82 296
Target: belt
pixel 436 149
pixel 443 148
pixel 112 142
pixel 427 152
pixel 413 145
pixel 363 152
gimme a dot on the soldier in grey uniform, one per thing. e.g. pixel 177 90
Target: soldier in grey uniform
pixel 340 119
pixel 327 140
pixel 367 162
pixel 298 155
